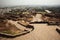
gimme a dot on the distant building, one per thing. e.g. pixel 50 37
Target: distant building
pixel 48 11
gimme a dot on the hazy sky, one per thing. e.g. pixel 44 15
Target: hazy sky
pixel 28 2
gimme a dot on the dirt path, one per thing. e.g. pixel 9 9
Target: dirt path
pixel 41 32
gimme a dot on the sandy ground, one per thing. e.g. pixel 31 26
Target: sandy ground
pixel 41 32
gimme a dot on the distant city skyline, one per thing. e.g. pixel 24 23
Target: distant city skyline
pixel 6 3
